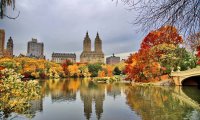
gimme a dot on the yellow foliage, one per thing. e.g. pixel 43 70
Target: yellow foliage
pixel 32 65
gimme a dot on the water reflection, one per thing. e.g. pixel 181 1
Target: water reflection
pixel 192 92
pixel 89 92
pixel 114 90
pixel 36 105
pixel 159 103
pixel 84 99
pixel 60 90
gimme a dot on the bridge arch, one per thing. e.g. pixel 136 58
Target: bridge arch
pixel 193 80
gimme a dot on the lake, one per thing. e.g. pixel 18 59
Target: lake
pixel 75 99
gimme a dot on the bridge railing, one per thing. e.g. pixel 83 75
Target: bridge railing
pixel 194 71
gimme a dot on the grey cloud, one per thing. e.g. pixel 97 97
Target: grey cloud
pixel 62 25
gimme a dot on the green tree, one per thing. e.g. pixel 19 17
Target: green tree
pixel 94 69
pixel 117 71
pixel 176 57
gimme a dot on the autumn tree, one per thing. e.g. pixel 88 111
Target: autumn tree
pixel 198 54
pixel 151 14
pixel 165 34
pixel 84 71
pixel 65 66
pixel 16 94
pixel 74 70
pixel 30 67
pixel 147 62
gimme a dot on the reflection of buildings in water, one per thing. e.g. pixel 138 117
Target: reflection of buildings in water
pixel 113 90
pixel 63 96
pixel 87 101
pixel 99 105
pixel 61 90
pixel 89 94
pixel 35 105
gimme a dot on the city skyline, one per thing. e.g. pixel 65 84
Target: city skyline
pixel 61 32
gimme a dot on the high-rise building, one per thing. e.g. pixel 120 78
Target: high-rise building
pixel 10 47
pixel 62 57
pixel 35 49
pixel 2 41
pixel 89 56
pixel 112 60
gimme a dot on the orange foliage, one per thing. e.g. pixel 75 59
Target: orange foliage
pixel 144 64
pixel 166 34
pixel 108 70
pixel 101 74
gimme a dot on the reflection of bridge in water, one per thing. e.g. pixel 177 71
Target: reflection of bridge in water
pixel 188 77
pixel 179 92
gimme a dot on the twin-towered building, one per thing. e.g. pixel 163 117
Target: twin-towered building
pixel 89 56
pixel 36 49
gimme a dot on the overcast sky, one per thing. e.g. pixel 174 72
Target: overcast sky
pixel 62 24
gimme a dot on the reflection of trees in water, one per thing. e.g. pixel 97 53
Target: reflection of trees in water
pixel 89 92
pixel 61 90
pixel 156 103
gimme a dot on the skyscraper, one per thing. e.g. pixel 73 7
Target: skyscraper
pixel 35 49
pixel 2 41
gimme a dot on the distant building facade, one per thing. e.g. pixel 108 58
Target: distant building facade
pixel 62 57
pixel 35 49
pixel 112 60
pixel 2 41
pixel 89 56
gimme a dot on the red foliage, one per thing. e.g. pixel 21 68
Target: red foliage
pixel 198 54
pixel 27 75
pixel 65 66
pixel 42 75
pixel 166 34
pixel 1 68
pixel 143 65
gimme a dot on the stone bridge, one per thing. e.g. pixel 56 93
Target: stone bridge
pixel 188 77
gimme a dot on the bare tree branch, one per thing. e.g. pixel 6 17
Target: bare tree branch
pixel 193 41
pixel 152 14
pixel 12 17
pixel 3 5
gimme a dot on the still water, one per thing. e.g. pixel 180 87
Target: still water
pixel 74 99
